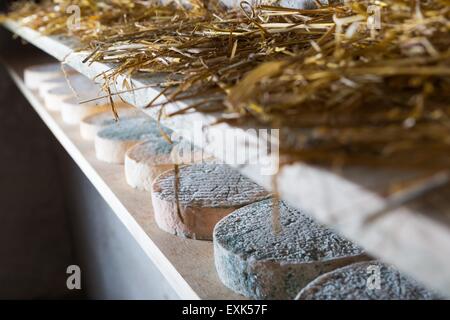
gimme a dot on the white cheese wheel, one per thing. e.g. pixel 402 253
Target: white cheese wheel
pixel 60 81
pixel 73 112
pixel 80 87
pixel 206 194
pixel 91 125
pixel 49 84
pixel 112 142
pixel 33 76
pixel 147 160
pixel 54 97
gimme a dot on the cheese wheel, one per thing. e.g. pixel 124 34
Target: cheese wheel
pixel 33 76
pixel 91 125
pixel 73 112
pixel 60 81
pixel 370 280
pixel 49 84
pixel 148 159
pixel 112 142
pixel 256 262
pixel 80 87
pixel 206 194
pixel 54 97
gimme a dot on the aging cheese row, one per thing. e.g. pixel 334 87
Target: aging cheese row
pixel 196 197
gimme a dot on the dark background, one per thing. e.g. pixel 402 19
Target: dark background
pixel 35 244
pixel 4 4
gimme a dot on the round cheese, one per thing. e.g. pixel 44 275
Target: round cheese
pixel 207 193
pixel 253 260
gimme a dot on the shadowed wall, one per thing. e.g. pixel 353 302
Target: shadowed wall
pixel 35 245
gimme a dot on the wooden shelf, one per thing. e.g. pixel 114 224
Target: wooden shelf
pixel 410 230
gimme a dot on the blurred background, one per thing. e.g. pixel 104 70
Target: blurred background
pixel 51 216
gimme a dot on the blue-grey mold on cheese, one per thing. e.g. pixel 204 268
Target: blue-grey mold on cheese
pixel 253 260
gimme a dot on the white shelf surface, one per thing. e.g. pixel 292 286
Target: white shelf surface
pixel 409 231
